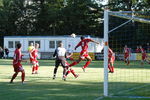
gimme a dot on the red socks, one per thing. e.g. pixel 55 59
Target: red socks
pixel 23 76
pixel 87 63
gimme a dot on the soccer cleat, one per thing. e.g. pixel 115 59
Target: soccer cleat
pixel 11 82
pixel 64 78
pixel 22 83
pixel 83 69
pixel 77 75
pixel 54 77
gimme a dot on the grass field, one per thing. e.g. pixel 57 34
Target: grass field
pixel 127 81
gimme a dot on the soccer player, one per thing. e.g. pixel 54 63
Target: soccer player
pixel 137 49
pixel 17 59
pixel 33 59
pixel 60 54
pixel 84 53
pixel 111 59
pixel 70 53
pixel 144 56
pixel 70 70
pixel 126 54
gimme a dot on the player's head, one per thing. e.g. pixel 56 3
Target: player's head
pixel 36 45
pixel 82 37
pixel 69 45
pixel 125 46
pixel 31 44
pixel 60 44
pixel 18 45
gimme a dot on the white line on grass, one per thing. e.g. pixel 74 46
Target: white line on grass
pixel 100 98
pixel 132 89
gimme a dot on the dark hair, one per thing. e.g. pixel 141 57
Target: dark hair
pixel 82 37
pixel 19 45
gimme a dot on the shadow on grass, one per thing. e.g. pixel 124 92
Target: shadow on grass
pixel 68 90
pixel 52 90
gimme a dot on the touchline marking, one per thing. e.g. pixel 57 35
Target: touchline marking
pixel 99 98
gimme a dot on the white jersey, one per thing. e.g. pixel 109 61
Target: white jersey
pixel 61 51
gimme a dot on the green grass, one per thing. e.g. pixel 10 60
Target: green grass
pixel 88 86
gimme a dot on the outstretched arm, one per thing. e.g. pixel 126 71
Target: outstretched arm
pixel 95 42
pixel 79 44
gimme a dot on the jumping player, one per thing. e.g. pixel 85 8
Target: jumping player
pixel 84 53
pixel 33 59
pixel 126 55
pixel 111 59
pixel 17 59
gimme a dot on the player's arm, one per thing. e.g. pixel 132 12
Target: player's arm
pixel 79 44
pixel 55 53
pixel 94 41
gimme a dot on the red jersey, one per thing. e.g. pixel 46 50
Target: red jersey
pixel 34 54
pixel 84 44
pixel 143 52
pixel 111 56
pixel 144 55
pixel 17 57
pixel 126 50
pixel 110 53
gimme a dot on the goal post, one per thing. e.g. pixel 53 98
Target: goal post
pixel 133 77
pixel 106 26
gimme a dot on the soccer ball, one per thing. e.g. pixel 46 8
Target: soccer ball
pixel 73 35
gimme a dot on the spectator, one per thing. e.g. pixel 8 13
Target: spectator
pixel 6 52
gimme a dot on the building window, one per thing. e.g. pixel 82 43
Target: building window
pixel 52 44
pixel 38 42
pixel 57 43
pixel 16 42
pixel 10 44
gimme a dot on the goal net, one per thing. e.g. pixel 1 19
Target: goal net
pixel 131 78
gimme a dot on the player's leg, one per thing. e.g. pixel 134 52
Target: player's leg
pixel 128 61
pixel 23 76
pixel 76 62
pixel 37 67
pixel 89 59
pixel 73 72
pixel 13 77
pixel 33 67
pixel 57 63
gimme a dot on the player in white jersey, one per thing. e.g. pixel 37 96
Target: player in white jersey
pixel 60 54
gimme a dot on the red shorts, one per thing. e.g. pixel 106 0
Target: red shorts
pixel 18 68
pixel 111 59
pixel 83 54
pixel 33 61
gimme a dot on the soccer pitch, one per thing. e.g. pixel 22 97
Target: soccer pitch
pixel 133 80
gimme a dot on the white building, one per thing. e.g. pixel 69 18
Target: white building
pixel 48 44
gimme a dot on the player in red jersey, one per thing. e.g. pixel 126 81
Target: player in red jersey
pixel 84 53
pixel 70 70
pixel 17 59
pixel 144 56
pixel 111 59
pixel 126 55
pixel 33 59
